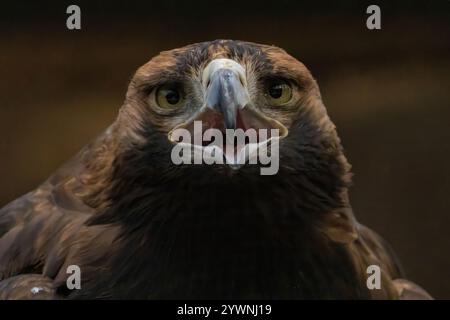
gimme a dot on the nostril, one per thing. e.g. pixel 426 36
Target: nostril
pixel 241 79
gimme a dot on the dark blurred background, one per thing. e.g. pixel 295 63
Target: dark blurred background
pixel 386 90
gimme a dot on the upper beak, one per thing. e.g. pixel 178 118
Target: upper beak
pixel 226 94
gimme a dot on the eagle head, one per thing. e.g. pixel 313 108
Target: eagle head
pixel 231 87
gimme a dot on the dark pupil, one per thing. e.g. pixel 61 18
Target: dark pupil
pixel 172 97
pixel 276 91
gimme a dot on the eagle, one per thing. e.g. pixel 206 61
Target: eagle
pixel 139 226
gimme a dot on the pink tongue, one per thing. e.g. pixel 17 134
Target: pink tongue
pixel 240 124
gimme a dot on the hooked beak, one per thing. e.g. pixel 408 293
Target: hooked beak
pixel 227 104
pixel 225 91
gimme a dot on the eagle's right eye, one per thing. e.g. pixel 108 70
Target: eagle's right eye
pixel 168 97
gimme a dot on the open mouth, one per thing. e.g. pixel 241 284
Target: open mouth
pixel 209 135
pixel 227 125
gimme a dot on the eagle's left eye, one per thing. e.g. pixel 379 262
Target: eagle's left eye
pixel 279 92
pixel 168 97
